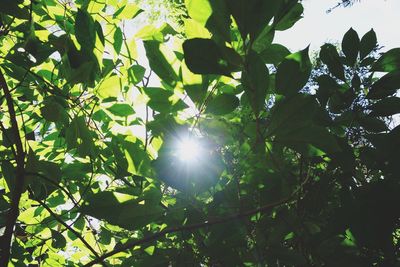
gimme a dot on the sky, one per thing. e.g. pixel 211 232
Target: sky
pixel 318 27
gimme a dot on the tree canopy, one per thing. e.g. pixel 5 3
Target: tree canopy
pixel 218 147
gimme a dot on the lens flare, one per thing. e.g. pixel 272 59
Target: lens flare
pixel 188 150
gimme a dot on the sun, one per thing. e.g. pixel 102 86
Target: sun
pixel 188 150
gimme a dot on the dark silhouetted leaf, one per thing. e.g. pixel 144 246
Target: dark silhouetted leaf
pixel 389 61
pixel 330 57
pixel 367 44
pixel 217 60
pixel 293 73
pixel 274 54
pixel 222 104
pixel 386 107
pixel 255 79
pixel 350 46
pixel 385 86
pixel 85 31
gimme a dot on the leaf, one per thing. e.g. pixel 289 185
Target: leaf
pixel 222 104
pixel 330 57
pixel 327 87
pixel 193 29
pixel 121 110
pixel 109 87
pixel 385 86
pixel 367 44
pixel 255 79
pixel 386 107
pixel 373 124
pixel 252 16
pixel 217 60
pixel 162 100
pixel 8 172
pixel 137 158
pixel 264 39
pixel 123 208
pixel 350 46
pixel 79 137
pixel 389 61
pixel 274 54
pixel 128 11
pixel 53 111
pixel 11 7
pixel 292 113
pixel 290 18
pixel 118 40
pixel 316 135
pixel 85 31
pixel 58 240
pixel 211 14
pixel 162 61
pixel 136 74
pixel 297 66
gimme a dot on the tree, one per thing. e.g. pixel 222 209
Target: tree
pixel 264 173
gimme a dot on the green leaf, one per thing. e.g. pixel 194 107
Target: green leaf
pixel 109 87
pixel 8 172
pixel 297 66
pixel 162 100
pixel 124 208
pixel 255 79
pixel 315 135
pixel 290 18
pixel 291 113
pixel 330 57
pixel 12 8
pixel 137 158
pixel 79 137
pixel 217 60
pixel 264 39
pixel 118 40
pixel 389 61
pixel 252 16
pixel 58 240
pixel 350 46
pixel 159 99
pixel 222 104
pixel 128 11
pixel 121 110
pixel 385 86
pixel 386 107
pixel 162 61
pixel 53 111
pixel 274 54
pixel 85 31
pixel 136 74
pixel 373 124
pixel 327 87
pixel 367 44
pixel 212 14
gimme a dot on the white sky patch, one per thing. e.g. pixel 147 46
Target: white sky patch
pixel 318 27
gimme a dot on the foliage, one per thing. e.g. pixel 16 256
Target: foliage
pixel 294 171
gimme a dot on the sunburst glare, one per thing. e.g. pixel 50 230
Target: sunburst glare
pixel 188 150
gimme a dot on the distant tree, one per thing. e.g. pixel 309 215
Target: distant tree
pixel 344 3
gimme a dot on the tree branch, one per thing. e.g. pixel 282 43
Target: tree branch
pixel 191 227
pixel 17 191
pixel 98 258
